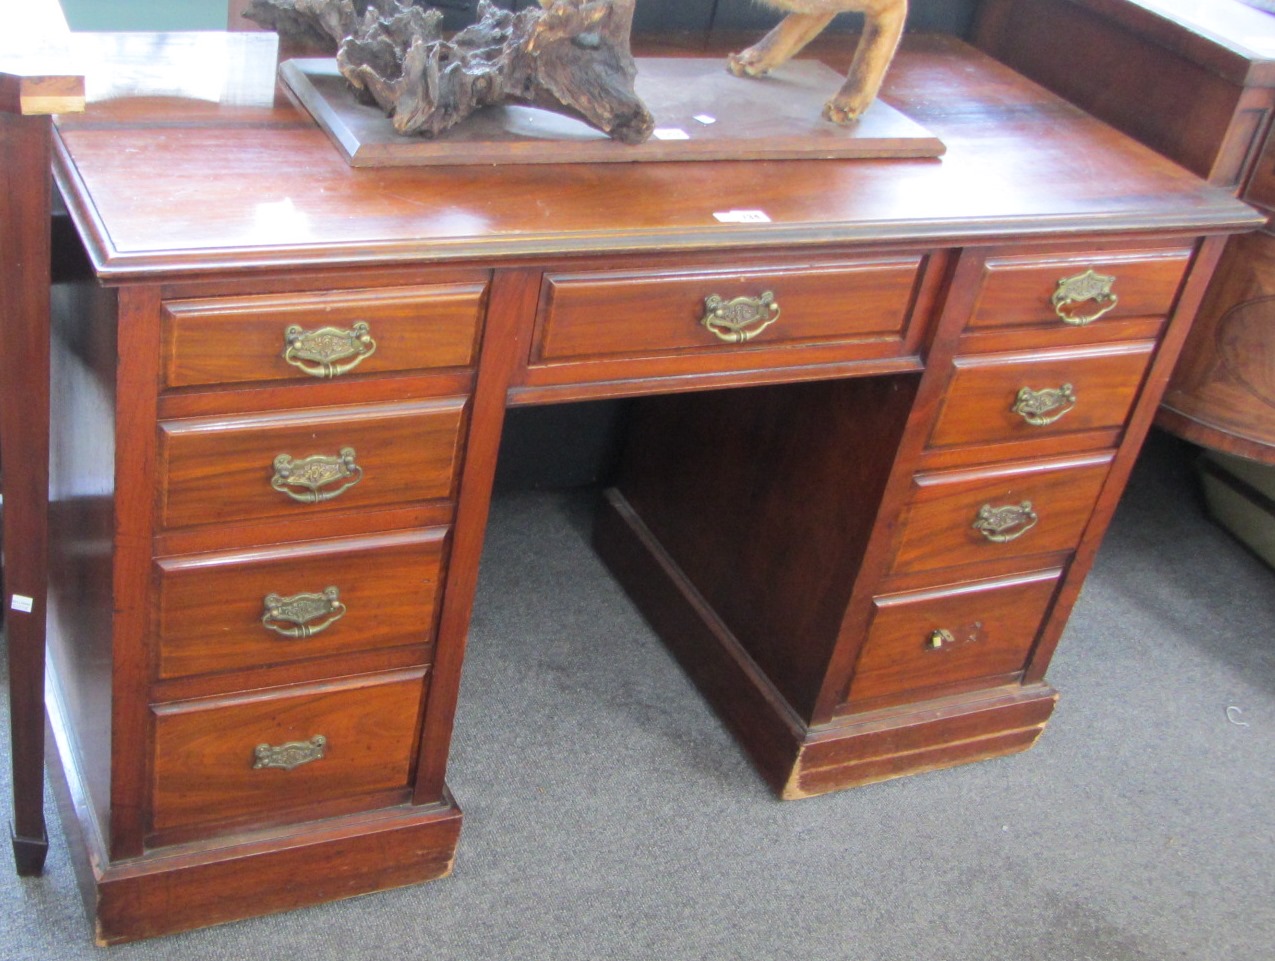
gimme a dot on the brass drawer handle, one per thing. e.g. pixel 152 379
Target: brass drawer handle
pixel 289 616
pixel 740 320
pixel 312 474
pixel 1040 408
pixel 1089 286
pixel 1003 524
pixel 328 351
pixel 290 755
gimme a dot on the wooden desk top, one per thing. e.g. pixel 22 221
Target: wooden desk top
pixel 181 186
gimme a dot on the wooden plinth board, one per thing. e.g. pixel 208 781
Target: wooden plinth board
pixel 183 887
pixel 701 112
pixel 799 761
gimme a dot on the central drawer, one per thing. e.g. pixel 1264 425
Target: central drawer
pixel 632 314
pixel 224 470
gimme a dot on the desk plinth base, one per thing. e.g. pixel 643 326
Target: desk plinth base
pixel 190 886
pixel 798 760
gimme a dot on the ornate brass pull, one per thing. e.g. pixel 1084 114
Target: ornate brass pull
pixel 1042 407
pixel 290 755
pixel 328 351
pixel 311 474
pixel 1003 524
pixel 740 320
pixel 301 608
pixel 1089 286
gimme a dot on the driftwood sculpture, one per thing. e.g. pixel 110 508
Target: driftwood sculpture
pixel 568 56
pixel 882 28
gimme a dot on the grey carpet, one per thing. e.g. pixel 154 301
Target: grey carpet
pixel 610 816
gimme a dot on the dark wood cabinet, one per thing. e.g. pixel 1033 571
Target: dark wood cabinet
pixel 861 527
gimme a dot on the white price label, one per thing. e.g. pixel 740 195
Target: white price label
pixel 671 133
pixel 21 602
pixel 742 217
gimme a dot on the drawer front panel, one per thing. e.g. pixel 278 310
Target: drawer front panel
pixel 309 336
pixel 1020 291
pixel 937 528
pixel 615 314
pixel 1021 396
pixel 928 639
pixel 217 470
pixel 242 610
pixel 342 741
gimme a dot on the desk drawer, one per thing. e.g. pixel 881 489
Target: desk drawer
pixel 271 755
pixel 1022 291
pixel 1021 396
pixel 965 517
pixel 248 609
pixel 633 314
pixel 225 470
pixel 304 336
pixel 931 639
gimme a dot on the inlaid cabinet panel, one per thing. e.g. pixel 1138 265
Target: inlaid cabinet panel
pixel 223 470
pixel 237 610
pixel 273 752
pixel 304 336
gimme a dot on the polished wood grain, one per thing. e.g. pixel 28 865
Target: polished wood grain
pixel 216 470
pixel 717 475
pixel 232 341
pixel 211 605
pixel 649 312
pixel 205 770
pixel 989 625
pixel 1017 290
pixel 1223 394
pixel 479 212
pixel 763 521
pixel 936 528
pixel 979 407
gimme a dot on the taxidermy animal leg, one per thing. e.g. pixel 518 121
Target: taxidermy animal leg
pixel 780 45
pixel 882 28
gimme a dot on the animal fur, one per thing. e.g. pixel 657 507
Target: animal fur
pixel 882 28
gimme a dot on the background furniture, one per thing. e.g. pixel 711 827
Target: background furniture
pixel 34 84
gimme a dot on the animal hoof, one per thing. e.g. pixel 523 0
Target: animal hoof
pixel 842 111
pixel 746 64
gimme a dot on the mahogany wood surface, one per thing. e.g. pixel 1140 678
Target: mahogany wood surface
pixel 204 749
pixel 756 527
pixel 980 404
pixel 211 605
pixel 217 470
pixel 660 312
pixel 228 341
pixel 1197 83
